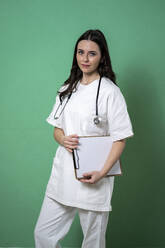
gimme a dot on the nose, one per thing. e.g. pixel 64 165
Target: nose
pixel 85 57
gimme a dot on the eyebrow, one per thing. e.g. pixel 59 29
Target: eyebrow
pixel 88 51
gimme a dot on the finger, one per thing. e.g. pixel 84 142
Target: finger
pixel 70 143
pixel 87 178
pixel 69 150
pixel 74 138
pixel 88 174
pixel 70 147
pixel 87 181
pixel 73 135
pixel 71 140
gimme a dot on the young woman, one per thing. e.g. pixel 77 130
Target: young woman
pixel 74 114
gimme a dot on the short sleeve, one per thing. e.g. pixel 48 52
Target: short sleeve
pixel 120 126
pixel 55 112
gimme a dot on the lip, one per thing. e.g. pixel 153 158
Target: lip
pixel 85 65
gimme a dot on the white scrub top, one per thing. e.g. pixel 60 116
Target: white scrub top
pixel 77 118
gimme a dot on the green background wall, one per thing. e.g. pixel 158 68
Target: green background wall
pixel 37 38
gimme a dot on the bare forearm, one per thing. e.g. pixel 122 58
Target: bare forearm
pixel 69 142
pixel 114 155
pixel 59 135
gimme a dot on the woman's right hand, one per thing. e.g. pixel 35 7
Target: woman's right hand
pixel 70 142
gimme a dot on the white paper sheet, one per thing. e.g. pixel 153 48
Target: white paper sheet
pixel 91 155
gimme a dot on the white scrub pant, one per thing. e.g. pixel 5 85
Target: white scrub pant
pixel 55 220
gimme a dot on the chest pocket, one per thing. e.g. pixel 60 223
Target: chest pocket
pixel 83 109
pixel 90 128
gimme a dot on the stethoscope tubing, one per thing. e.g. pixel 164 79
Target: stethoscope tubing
pixel 62 108
pixel 96 119
pixel 97 96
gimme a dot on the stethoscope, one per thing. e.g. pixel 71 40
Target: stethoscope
pixel 97 119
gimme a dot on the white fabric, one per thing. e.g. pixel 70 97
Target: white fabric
pixel 77 118
pixel 55 220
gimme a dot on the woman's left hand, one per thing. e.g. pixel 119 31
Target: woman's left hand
pixel 91 177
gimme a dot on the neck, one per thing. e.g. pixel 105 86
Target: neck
pixel 88 78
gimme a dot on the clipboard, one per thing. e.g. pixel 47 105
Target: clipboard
pixel 91 155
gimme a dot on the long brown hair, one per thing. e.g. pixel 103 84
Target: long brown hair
pixel 104 68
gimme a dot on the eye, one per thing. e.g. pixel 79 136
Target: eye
pixel 92 53
pixel 80 52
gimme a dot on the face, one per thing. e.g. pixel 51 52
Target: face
pixel 88 56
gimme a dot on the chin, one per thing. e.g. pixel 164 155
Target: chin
pixel 86 70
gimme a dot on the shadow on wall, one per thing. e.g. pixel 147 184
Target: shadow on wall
pixel 138 205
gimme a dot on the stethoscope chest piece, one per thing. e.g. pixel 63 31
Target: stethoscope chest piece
pixel 97 120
